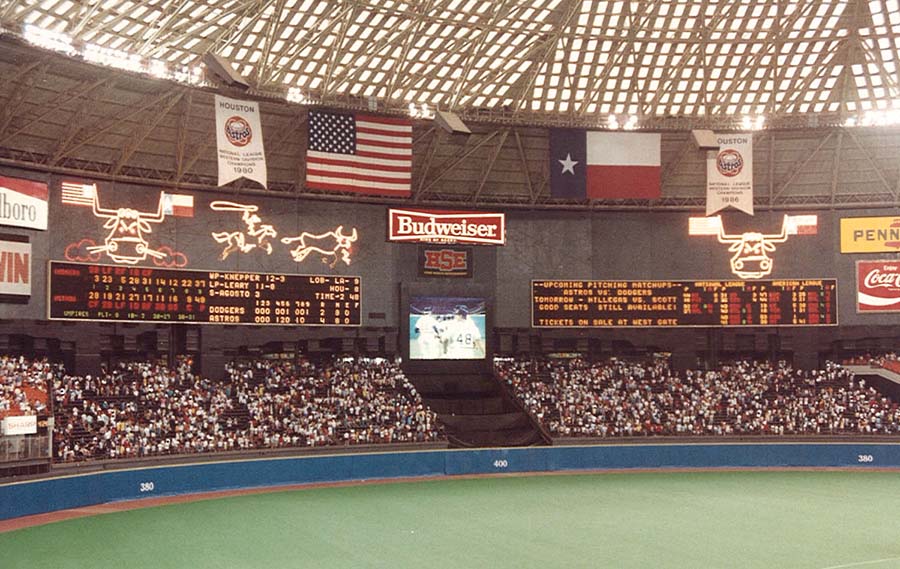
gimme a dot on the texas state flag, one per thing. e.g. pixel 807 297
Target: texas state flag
pixel 601 165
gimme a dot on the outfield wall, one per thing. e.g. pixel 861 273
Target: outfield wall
pixel 47 495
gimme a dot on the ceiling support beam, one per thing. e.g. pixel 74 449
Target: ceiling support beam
pixel 181 136
pixel 85 135
pixel 453 162
pixel 800 164
pixel 526 170
pixel 836 165
pixel 83 91
pixel 140 135
pixel 870 159
pixel 429 158
pixel 492 159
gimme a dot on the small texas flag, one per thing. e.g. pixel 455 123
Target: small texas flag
pixel 604 165
pixel 178 205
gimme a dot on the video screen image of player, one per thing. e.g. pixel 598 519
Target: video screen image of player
pixel 446 328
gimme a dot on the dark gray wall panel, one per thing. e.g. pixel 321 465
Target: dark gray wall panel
pixel 540 244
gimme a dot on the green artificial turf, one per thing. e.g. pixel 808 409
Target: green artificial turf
pixel 729 520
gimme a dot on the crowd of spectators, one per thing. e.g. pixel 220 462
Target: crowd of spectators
pixel 346 401
pixel 144 409
pixel 575 398
pixel 141 409
pixel 24 384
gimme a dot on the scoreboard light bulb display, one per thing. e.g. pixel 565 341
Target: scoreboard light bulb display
pixel 663 304
pixel 80 291
pixel 446 328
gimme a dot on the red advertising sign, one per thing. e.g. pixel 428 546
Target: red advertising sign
pixel 878 286
pixel 23 203
pixel 443 261
pixel 422 226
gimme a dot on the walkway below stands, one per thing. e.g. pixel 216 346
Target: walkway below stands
pixel 476 410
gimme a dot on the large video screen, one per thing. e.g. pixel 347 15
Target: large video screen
pixel 446 328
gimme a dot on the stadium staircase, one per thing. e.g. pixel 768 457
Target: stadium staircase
pixel 886 378
pixel 477 410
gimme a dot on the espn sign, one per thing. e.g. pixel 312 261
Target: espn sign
pixel 878 286
pixel 421 226
pixel 23 203
pixel 436 261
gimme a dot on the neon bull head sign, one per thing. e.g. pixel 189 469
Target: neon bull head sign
pixel 751 259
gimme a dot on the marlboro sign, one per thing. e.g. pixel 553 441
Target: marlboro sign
pixel 422 226
pixel 23 203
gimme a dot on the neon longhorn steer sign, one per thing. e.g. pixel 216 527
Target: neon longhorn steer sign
pixel 126 241
pixel 239 240
pixel 333 244
pixel 751 250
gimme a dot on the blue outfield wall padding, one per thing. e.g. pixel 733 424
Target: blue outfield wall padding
pixel 65 492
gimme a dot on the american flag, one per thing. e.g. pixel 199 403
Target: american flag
pixel 78 194
pixel 359 153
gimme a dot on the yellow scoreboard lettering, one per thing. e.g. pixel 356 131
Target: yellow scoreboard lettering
pixel 870 234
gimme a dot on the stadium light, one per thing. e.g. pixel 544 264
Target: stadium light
pixel 612 122
pixel 190 75
pixel 113 58
pixel 296 95
pixel 886 117
pixel 753 123
pixel 158 68
pixel 631 123
pixel 420 112
pixel 46 39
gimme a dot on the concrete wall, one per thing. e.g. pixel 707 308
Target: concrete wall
pixel 25 498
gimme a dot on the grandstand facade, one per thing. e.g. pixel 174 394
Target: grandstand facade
pixel 106 347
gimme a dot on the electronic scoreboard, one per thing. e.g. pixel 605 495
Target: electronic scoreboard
pixel 594 304
pixel 140 294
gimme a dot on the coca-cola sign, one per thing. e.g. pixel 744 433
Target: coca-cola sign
pixel 421 226
pixel 878 286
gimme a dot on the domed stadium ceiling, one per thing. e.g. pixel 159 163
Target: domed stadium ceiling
pixel 579 59
pixel 807 69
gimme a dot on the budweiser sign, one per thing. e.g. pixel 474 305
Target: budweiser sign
pixel 474 227
pixel 878 286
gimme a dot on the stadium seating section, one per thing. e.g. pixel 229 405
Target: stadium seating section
pixel 574 398
pixel 139 409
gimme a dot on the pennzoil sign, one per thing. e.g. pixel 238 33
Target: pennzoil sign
pixel 427 226
pixel 870 234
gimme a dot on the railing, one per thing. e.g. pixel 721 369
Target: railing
pixel 23 448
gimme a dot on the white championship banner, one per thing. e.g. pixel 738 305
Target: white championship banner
pixel 239 141
pixel 729 174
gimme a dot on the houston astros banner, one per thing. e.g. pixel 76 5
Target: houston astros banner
pixel 729 174
pixel 239 141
